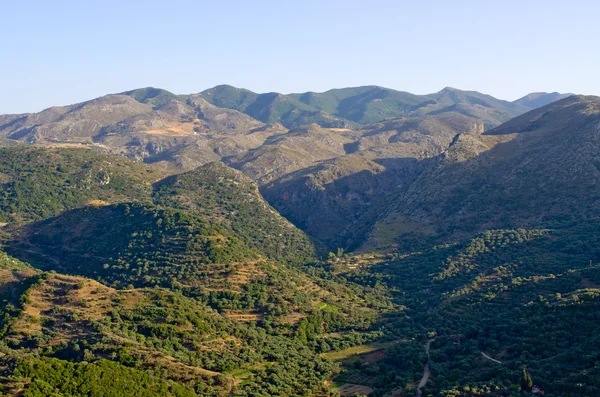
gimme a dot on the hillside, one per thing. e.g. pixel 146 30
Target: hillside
pixel 227 197
pixel 544 173
pixel 337 199
pixel 488 307
pixel 475 254
pixel 297 149
pixel 195 285
pixel 40 183
pixel 492 248
pixel 70 334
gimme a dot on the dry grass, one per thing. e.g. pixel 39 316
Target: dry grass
pixel 350 352
pixel 244 317
pixel 366 353
pixel 338 129
pixel 179 129
pixel 290 319
pixel 96 203
pixel 245 272
pixel 349 389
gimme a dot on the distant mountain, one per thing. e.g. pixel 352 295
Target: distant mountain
pixel 149 124
pixel 538 99
pixel 362 105
pixel 271 107
pixel 373 104
pixel 229 124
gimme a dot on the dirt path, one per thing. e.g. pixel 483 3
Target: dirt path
pixel 489 358
pixel 426 370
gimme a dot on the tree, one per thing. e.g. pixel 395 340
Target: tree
pixel 526 382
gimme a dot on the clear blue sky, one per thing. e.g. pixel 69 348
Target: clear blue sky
pixel 62 52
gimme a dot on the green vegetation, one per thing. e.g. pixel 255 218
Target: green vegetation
pixel 179 342
pixel 129 244
pixel 154 96
pixel 115 280
pixel 363 105
pixel 225 196
pixel 51 377
pixel 41 183
pixel 271 107
pixel 523 298
pixel 210 281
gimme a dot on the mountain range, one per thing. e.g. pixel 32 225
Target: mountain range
pixel 361 240
pixel 302 149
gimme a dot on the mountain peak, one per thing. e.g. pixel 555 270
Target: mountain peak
pixel 539 99
pixel 449 89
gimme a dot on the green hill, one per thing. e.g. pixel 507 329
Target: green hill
pixel 195 285
pixel 271 107
pixel 40 183
pixel 496 303
pixel 72 335
pixel 363 105
pixel 366 105
pixel 154 96
pixel 226 196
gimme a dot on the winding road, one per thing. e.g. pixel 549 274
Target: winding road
pixel 426 370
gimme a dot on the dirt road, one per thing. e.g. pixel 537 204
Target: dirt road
pixel 426 370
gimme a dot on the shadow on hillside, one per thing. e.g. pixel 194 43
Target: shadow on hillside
pixel 535 180
pixel 340 213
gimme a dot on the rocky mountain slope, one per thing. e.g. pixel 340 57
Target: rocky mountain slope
pixel 230 124
pixel 325 160
pixel 544 172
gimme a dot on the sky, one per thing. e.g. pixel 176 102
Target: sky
pixel 63 52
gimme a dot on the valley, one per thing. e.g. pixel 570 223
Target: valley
pixel 360 240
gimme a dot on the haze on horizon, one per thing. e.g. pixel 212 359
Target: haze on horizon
pixel 65 52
